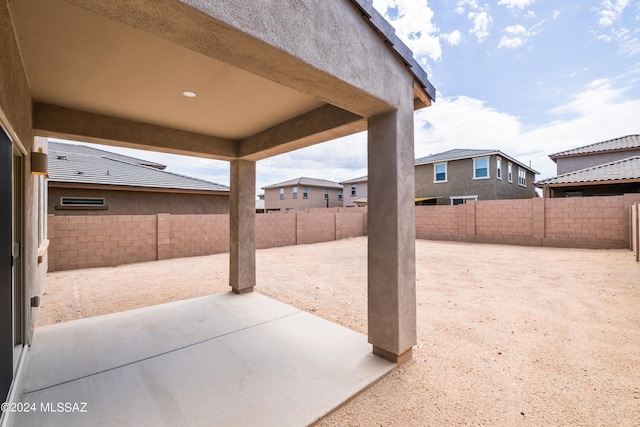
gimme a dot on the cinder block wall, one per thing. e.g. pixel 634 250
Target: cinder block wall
pixel 439 224
pixel 504 218
pixel 100 241
pixel 276 229
pixel 589 222
pixel 196 235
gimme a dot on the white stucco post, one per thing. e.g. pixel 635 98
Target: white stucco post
pixel 391 216
pixel 242 226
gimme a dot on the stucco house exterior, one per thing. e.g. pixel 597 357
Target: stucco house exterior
pixel 605 168
pixel 88 181
pixel 302 193
pixel 354 192
pixel 238 81
pixel 596 154
pixel 460 175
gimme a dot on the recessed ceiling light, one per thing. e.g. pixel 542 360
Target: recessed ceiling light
pixel 189 94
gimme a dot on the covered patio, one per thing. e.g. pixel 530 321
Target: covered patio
pixel 219 360
pixel 237 81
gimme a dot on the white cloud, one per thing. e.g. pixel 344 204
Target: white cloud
pixel 515 29
pixel 517 35
pixel 611 11
pixel 515 3
pixel 510 42
pixel 460 6
pixel 598 113
pixel 414 25
pixel 453 38
pixel 481 22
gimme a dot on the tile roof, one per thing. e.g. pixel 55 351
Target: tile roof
pixel 309 182
pixel 70 167
pixel 617 144
pixel 83 149
pixel 625 169
pixel 464 153
pixel 354 180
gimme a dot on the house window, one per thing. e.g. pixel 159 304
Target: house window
pixel 305 192
pixel 440 172
pixel 295 192
pixel 522 177
pixel 339 194
pixel 481 168
pixel 498 168
pixel 82 201
pixel 462 200
pixel 510 172
pixel 326 194
pixel 282 194
pixel 353 189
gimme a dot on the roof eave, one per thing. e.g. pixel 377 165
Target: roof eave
pixel 384 28
pixel 492 153
pixel 583 183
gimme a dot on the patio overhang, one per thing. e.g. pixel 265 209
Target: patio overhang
pixel 115 72
pixel 234 80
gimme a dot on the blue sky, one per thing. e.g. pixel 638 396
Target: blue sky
pixel 527 77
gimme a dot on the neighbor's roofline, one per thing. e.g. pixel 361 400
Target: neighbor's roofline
pixel 124 187
pixel 488 153
pixel 298 182
pixel 568 153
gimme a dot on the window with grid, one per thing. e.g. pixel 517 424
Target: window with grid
pixel 522 177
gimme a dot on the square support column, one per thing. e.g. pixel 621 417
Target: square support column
pixel 391 215
pixel 242 226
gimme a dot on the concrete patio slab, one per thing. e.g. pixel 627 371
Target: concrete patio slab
pixel 223 359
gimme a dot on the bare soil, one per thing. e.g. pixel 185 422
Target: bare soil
pixel 507 335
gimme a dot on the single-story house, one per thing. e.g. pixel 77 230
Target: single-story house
pixel 87 181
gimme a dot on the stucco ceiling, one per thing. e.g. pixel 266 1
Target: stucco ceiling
pixel 83 61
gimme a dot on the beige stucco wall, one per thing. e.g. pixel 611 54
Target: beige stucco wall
pixel 139 202
pixel 15 118
pixel 361 193
pixel 460 182
pixel 314 200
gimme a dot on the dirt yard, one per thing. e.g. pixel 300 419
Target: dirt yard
pixel 507 335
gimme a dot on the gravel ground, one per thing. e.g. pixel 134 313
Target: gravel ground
pixel 507 335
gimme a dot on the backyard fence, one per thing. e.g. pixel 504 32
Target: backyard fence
pixel 111 240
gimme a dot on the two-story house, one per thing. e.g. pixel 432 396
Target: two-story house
pixel 354 192
pixel 605 168
pixel 302 193
pixel 456 176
